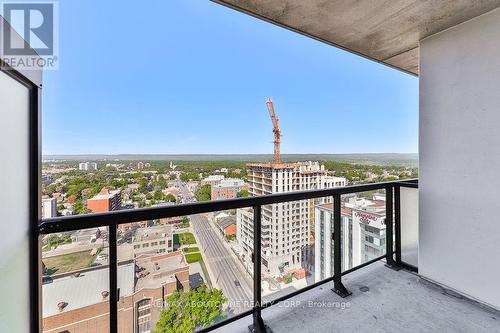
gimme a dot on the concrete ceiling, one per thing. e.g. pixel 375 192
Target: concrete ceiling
pixel 387 31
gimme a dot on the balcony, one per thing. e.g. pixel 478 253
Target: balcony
pixel 439 271
pixel 382 300
pixel 62 293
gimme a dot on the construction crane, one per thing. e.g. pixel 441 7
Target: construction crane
pixel 276 131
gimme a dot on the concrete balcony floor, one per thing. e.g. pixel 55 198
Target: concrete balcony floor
pixel 396 301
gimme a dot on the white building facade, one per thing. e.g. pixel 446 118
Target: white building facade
pixel 49 208
pixel 287 233
pixel 363 235
pixel 87 166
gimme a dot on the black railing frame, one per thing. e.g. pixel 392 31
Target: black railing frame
pixel 113 219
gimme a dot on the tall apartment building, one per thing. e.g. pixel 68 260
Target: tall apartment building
pixel 105 201
pixel 49 207
pixel 227 188
pixel 362 234
pixel 287 228
pixel 87 166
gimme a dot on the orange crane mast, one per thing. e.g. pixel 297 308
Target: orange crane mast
pixel 276 131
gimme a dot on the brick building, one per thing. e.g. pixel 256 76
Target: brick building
pixel 227 189
pixel 105 201
pixel 79 301
pixel 227 225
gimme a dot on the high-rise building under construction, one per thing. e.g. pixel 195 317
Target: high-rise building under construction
pixel 287 228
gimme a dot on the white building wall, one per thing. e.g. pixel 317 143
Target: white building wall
pixel 460 158
pixel 49 208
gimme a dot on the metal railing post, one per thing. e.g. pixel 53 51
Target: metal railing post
pixel 113 282
pixel 338 288
pixel 389 234
pixel 397 222
pixel 258 325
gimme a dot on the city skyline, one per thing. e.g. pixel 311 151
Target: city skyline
pixel 93 104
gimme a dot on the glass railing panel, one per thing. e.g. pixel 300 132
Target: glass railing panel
pixel 188 273
pixel 363 227
pixel 75 281
pixel 293 233
pixel 409 225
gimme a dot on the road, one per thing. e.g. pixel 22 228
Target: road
pixel 224 267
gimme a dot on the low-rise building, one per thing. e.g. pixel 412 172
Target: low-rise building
pixel 79 301
pixel 212 180
pixel 153 240
pixel 89 235
pixel 227 188
pixel 227 225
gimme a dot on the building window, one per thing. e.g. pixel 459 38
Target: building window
pixel 144 316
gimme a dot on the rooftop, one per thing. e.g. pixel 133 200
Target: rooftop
pixel 225 222
pixel 105 194
pixel 151 233
pixel 329 206
pixel 230 182
pixel 159 267
pixel 84 290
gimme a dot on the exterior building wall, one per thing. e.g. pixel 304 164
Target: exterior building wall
pixel 95 318
pixel 459 159
pixel 323 260
pixel 159 245
pixel 105 201
pixel 286 227
pixel 87 166
pixel 219 193
pixel 49 208
pixel 89 319
pixel 98 206
pixel 362 235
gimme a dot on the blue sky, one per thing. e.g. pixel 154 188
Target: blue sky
pixel 191 76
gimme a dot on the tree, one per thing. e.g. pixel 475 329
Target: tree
pixel 189 310
pixel 160 183
pixel 170 198
pixel 203 193
pixel 242 194
pixel 158 195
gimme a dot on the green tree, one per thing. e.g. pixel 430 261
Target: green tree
pixel 242 194
pixel 203 193
pixel 189 310
pixel 158 195
pixel 170 198
pixel 160 183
